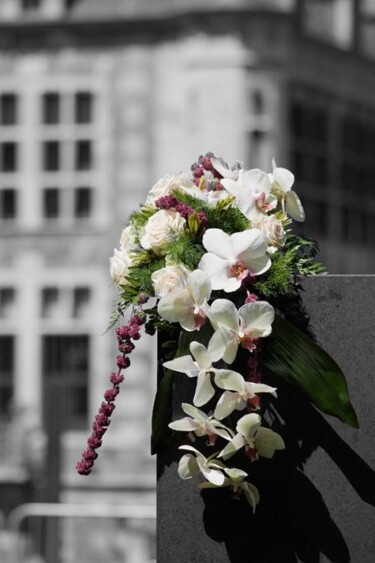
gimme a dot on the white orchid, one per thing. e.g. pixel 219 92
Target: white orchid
pixel 243 326
pixel 238 393
pixel 222 167
pixel 192 463
pixel 252 191
pixel 188 306
pixel 201 368
pixel 257 440
pixel 201 424
pixel 231 258
pixel 282 182
pixel 236 480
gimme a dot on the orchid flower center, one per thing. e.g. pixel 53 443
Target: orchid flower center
pixel 251 453
pixel 239 270
pixel 199 317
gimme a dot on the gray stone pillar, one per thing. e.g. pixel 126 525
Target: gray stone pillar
pixel 317 497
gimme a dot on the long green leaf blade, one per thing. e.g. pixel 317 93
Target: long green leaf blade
pixel 294 357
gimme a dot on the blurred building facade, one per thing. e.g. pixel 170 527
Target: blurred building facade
pixel 97 101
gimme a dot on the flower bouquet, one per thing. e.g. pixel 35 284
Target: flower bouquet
pixel 214 254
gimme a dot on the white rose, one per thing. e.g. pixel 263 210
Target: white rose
pixel 127 239
pixel 169 279
pixel 273 230
pixel 119 265
pixel 166 184
pixel 161 230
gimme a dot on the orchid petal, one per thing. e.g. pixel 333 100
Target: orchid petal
pixel 213 475
pixel 184 364
pixel 251 493
pixel 256 248
pixel 222 431
pixel 177 307
pixel 225 343
pixel 215 268
pixel 199 415
pixel 230 380
pixel 227 403
pixel 256 181
pixel 248 425
pixel 232 447
pixel 294 207
pixel 223 168
pixel 283 178
pixel 188 467
pixel 257 318
pixel 184 425
pixel 225 314
pixel 201 355
pixel 218 242
pixel 267 441
pixel 255 388
pixel 199 286
pixel 235 474
pixel 204 390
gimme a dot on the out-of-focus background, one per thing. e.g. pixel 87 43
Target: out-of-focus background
pixel 98 99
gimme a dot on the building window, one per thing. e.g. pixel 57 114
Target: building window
pixel 8 109
pixel 51 156
pixel 51 108
pixel 7 352
pixel 330 21
pixel 30 5
pixel 82 203
pixel 8 154
pixel 65 375
pixel 83 107
pixel 7 301
pixel 50 302
pixel 83 155
pixel 8 203
pixel 51 203
pixel 81 302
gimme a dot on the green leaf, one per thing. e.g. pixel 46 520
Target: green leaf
pixel 294 357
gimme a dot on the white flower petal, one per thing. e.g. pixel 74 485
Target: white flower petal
pixel 199 415
pixel 267 441
pixel 201 355
pixel 199 286
pixel 250 241
pixel 184 424
pixel 248 425
pixel 215 268
pixel 204 390
pixel 293 206
pixel 255 388
pixel 227 403
pixel 232 447
pixel 230 380
pixel 218 242
pixel 188 467
pixel 225 343
pixel 251 493
pixel 256 181
pixel 257 318
pixel 235 474
pixel 184 364
pixel 225 314
pixel 213 475
pixel 283 178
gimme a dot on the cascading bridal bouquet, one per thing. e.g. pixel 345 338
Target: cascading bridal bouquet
pixel 215 248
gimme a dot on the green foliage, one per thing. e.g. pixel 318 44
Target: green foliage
pixel 278 280
pixel 229 219
pixel 299 361
pixel 139 281
pixel 185 251
pixel 139 218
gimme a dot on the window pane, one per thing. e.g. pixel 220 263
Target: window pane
pixel 30 4
pixel 6 371
pixel 81 302
pixel 329 20
pixel 8 157
pixel 50 302
pixel 66 368
pixel 7 301
pixel 83 107
pixel 82 202
pixel 51 203
pixel 51 156
pixel 8 204
pixel 8 109
pixel 83 156
pixel 51 108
